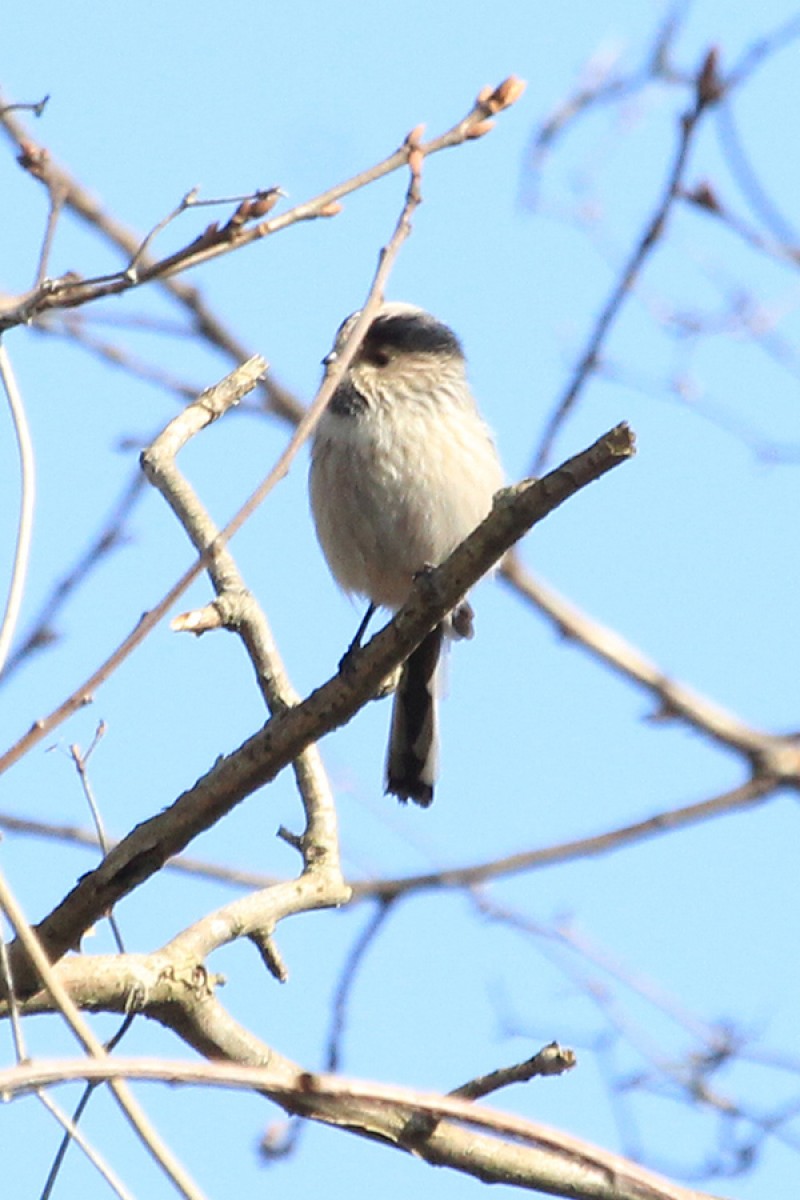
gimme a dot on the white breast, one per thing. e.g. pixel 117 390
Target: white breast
pixel 398 485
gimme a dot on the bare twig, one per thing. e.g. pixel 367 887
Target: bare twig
pixel 750 794
pixel 602 85
pixel 61 998
pixel 76 836
pixel 750 184
pixel 57 196
pixel 263 755
pixel 72 327
pixel 70 291
pixel 36 108
pixel 761 50
pixel 552 1059
pixel 41 632
pixel 243 380
pixel 26 505
pixel 73 1133
pixel 81 761
pixel 753 792
pixel 773 756
pixel 347 979
pixel 543 1159
pixel 248 208
pixel 236 608
pixel 707 92
pixel 475 124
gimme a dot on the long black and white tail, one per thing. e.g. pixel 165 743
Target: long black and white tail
pixel 412 763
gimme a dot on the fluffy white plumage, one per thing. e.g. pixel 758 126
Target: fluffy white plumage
pixel 403 469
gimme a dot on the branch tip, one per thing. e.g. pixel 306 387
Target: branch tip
pixel 199 620
pixel 621 440
pixel 710 84
pixel 494 100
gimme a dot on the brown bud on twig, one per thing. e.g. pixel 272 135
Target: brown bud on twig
pixel 509 92
pixel 710 85
pixel 482 127
pixel 494 100
pixel 240 215
pixel 264 202
pixel 253 207
pixel 414 138
pixel 703 196
pixel 415 155
pixel 330 210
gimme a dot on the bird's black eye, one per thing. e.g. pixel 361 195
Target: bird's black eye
pixel 378 356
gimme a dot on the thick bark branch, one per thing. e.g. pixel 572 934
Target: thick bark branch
pixel 256 762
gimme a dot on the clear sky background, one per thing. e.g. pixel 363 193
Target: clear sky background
pixel 690 552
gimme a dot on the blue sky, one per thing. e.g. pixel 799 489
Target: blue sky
pixel 689 551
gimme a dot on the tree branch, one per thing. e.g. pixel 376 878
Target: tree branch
pixel 71 291
pixel 492 1146
pixel 286 735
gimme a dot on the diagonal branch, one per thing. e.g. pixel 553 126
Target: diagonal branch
pixel 71 291
pixel 243 380
pixel 770 754
pixel 285 736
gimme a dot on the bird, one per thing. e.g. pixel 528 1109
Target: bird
pixel 403 469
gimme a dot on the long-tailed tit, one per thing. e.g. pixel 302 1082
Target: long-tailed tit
pixel 403 468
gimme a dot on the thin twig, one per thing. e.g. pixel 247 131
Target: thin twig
pixel 27 470
pixel 267 752
pixel 707 90
pixel 71 328
pixel 236 608
pixel 566 1165
pixel 10 991
pixel 346 983
pixel 749 183
pixel 70 291
pixel 753 792
pixel 81 766
pixel 600 87
pixel 762 50
pixel 257 203
pixel 73 1133
pixel 76 836
pixel 133 1111
pixel 41 631
pixel 69 1124
pixel 476 123
pixel 550 1060
pixel 71 1130
pixel 739 799
pixel 771 755
pixel 80 1108
pixel 57 195
pixel 36 108
pixel 244 378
